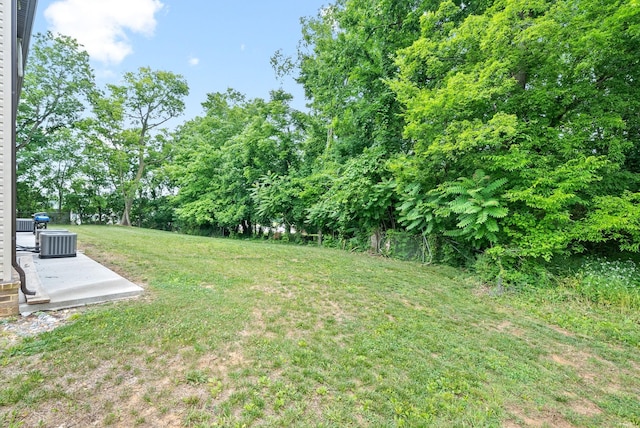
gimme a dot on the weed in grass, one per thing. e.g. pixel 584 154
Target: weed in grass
pixel 264 381
pixel 254 409
pixel 191 401
pixel 197 418
pixel 196 377
pixel 111 418
pixel 215 388
pixel 322 390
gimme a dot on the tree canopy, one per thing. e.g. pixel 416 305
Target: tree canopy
pixel 537 95
pixel 57 85
pixel 127 118
pixel 497 127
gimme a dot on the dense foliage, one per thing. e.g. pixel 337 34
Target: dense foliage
pixel 56 87
pixel 505 130
pixel 541 95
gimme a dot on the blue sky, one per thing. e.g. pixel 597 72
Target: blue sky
pixel 214 44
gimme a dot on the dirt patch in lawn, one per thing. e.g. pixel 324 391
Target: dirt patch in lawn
pixel 140 394
pixel 585 408
pixel 592 369
pixel 538 418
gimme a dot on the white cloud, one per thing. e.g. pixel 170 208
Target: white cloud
pixel 242 47
pixel 193 61
pixel 102 26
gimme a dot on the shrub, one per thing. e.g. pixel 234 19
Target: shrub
pixel 506 267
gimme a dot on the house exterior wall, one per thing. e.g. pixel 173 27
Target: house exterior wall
pixel 9 285
pixel 7 33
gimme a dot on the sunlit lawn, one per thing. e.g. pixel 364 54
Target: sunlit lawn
pixel 246 333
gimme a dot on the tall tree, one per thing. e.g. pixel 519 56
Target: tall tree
pixel 56 87
pixel 197 169
pixel 358 198
pixel 345 56
pixel 223 155
pixel 91 190
pixel 346 60
pixel 62 164
pixel 129 125
pixel 57 84
pixel 543 96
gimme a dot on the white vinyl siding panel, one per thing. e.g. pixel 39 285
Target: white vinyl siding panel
pixel 6 126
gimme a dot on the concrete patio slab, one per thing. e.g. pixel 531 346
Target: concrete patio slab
pixel 67 282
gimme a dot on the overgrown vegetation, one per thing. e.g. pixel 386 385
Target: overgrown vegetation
pixel 613 283
pixel 251 333
pixel 502 129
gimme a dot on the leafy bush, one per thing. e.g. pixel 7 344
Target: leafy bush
pixel 473 205
pixel 507 267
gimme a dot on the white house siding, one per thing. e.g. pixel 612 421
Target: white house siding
pixel 6 124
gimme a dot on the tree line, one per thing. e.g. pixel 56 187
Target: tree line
pixel 497 132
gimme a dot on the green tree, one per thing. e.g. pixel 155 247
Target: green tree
pixel 222 155
pixel 541 94
pixel 359 197
pixel 129 129
pixel 346 61
pixel 345 57
pixel 197 168
pixel 56 86
pixel 277 200
pixel 62 160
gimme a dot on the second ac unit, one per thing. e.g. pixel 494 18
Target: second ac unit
pixel 58 244
pixel 24 225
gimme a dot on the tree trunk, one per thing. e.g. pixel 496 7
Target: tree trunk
pixel 60 196
pixel 375 239
pixel 125 220
pixel 130 193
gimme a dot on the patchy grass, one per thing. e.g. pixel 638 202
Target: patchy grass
pixel 243 333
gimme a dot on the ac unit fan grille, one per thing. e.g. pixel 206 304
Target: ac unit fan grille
pixel 24 225
pixel 58 245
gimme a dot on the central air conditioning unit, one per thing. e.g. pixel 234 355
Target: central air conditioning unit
pixel 58 244
pixel 39 231
pixel 24 225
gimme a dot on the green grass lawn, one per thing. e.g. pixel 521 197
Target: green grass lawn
pixel 245 333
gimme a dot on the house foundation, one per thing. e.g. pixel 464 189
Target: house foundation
pixel 9 298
